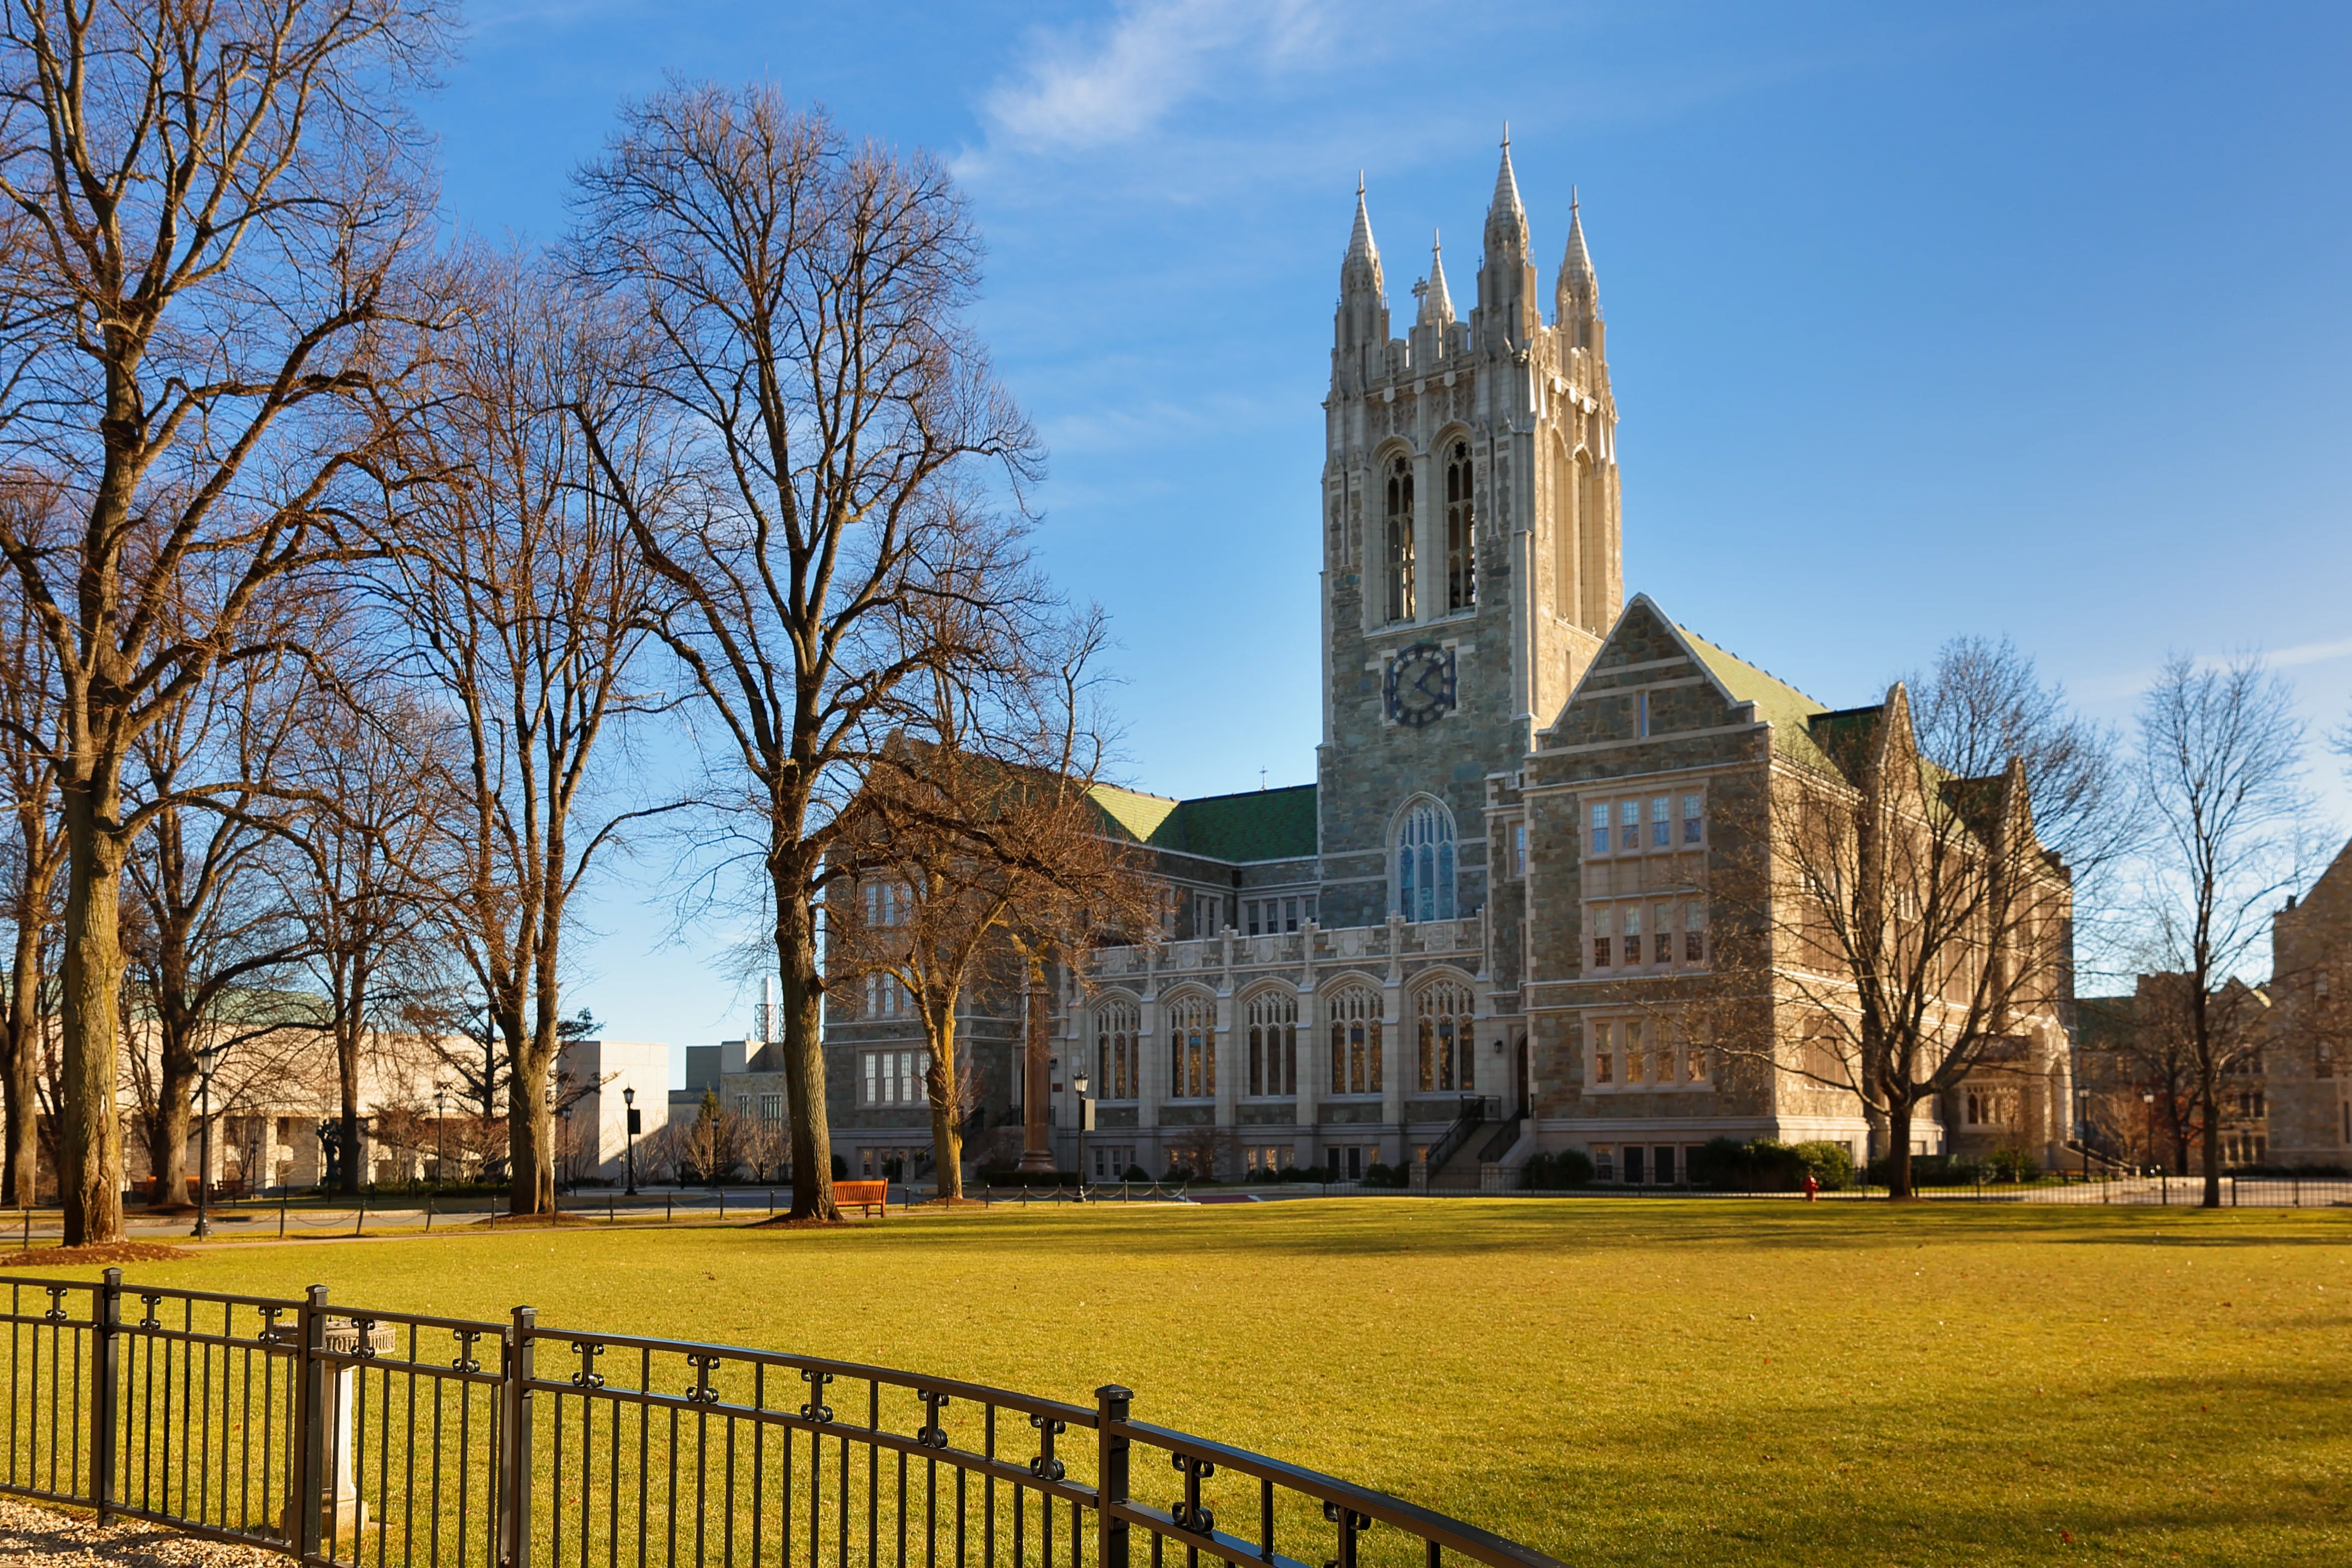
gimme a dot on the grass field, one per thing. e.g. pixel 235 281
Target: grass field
pixel 1685 1382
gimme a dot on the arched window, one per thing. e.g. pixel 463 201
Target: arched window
pixel 1356 1040
pixel 1115 1054
pixel 1193 1049
pixel 1274 1044
pixel 1425 864
pixel 1461 539
pixel 1445 1035
pixel 1399 516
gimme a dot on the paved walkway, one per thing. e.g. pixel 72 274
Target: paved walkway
pixel 50 1538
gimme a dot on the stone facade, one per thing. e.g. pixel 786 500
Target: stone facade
pixel 2306 1093
pixel 1373 966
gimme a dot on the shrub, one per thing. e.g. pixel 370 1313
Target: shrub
pixel 1832 1164
pixel 1135 1173
pixel 1932 1170
pixel 1568 1167
pixel 2011 1164
pixel 1760 1164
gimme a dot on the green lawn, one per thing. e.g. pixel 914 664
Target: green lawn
pixel 1681 1382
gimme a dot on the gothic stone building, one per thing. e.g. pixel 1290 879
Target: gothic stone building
pixel 2305 1100
pixel 1432 931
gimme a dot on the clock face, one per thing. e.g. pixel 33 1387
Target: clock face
pixel 1420 685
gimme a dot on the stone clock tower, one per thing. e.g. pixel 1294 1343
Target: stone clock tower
pixel 1471 554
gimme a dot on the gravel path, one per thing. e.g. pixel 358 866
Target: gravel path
pixel 38 1537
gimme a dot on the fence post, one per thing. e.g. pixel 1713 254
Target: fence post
pixel 307 1458
pixel 1111 1404
pixel 514 1463
pixel 106 1319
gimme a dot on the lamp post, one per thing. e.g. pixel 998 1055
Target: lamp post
pixel 208 1061
pixel 440 1130
pixel 1079 1084
pixel 566 1114
pixel 629 1099
pixel 2147 1098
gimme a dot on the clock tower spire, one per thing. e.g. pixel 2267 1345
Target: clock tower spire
pixel 1470 554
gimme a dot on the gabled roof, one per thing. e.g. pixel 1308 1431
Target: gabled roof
pixel 1253 825
pixel 1790 711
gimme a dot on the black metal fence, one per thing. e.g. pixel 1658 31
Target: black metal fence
pixel 350 1437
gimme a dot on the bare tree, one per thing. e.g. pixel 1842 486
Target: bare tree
pixel 802 301
pixel 34 854
pixel 212 927
pixel 377 793
pixel 2220 750
pixel 980 841
pixel 528 602
pixel 212 211
pixel 1894 919
pixel 713 1142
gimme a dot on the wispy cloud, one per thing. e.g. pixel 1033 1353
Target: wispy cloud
pixel 2311 654
pixel 1096 86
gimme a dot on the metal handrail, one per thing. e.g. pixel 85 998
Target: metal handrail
pixel 1471 1117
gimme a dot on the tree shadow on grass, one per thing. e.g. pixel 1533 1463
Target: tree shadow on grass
pixel 1401 1228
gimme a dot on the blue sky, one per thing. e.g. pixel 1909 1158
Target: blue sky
pixel 2022 319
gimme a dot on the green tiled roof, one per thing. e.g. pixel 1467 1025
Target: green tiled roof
pixel 1789 711
pixel 1255 825
pixel 1133 813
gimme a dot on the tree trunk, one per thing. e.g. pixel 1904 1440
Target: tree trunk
pixel 347 1073
pixel 530 1156
pixel 20 1181
pixel 803 1048
pixel 2208 1100
pixel 1037 1118
pixel 167 1150
pixel 530 1123
pixel 946 1131
pixel 89 1144
pixel 175 1080
pixel 1898 1149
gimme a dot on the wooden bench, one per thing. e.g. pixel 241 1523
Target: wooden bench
pixel 871 1196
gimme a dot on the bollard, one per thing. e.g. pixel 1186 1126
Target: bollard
pixel 337 1348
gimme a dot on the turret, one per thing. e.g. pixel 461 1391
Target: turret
pixel 1361 328
pixel 1577 295
pixel 1433 327
pixel 1506 313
